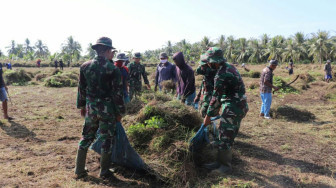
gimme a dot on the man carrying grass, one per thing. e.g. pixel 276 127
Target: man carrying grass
pixel 100 98
pixel 229 96
pixel 266 86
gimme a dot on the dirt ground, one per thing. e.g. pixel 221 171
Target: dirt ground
pixel 297 148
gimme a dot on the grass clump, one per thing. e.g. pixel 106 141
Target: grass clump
pixel 163 130
pixel 168 86
pixel 62 79
pixel 17 77
pixel 251 74
pixel 284 89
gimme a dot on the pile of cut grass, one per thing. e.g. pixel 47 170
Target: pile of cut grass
pixel 17 77
pixel 162 132
pixel 251 74
pixel 61 79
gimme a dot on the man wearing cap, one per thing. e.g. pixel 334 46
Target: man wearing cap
pixel 164 71
pixel 100 98
pixel 328 71
pixel 119 61
pixel 229 95
pixel 136 70
pixel 186 90
pixel 266 86
pixel 206 89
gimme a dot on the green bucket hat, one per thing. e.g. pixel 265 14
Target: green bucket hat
pixel 105 41
pixel 121 57
pixel 215 55
pixel 203 59
pixel 137 55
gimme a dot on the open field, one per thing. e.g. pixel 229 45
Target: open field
pixel 295 149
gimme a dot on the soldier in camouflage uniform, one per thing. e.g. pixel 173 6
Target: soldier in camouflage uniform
pixel 100 98
pixel 229 93
pixel 205 92
pixel 136 70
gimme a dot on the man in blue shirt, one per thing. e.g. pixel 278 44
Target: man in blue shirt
pixel 164 71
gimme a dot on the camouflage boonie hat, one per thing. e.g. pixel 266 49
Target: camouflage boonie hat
pixel 203 59
pixel 121 57
pixel 137 55
pixel 105 41
pixel 215 55
pixel 163 55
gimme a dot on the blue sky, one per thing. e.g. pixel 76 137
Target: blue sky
pixel 142 25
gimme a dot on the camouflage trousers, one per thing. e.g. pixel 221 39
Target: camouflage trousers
pixel 106 122
pixel 231 117
pixel 135 90
pixel 205 101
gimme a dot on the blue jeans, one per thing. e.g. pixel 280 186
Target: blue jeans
pixel 189 100
pixel 266 99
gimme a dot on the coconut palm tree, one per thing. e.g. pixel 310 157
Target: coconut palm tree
pixel 242 50
pixel 169 48
pixel 274 49
pixel 91 53
pixel 256 51
pixel 41 49
pixel 222 43
pixel 291 51
pixel 206 43
pixel 230 49
pixel 319 46
pixel 27 48
pixel 71 47
pixel 12 48
pixel 264 40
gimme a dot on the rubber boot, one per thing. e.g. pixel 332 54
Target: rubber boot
pixel 80 164
pixel 105 172
pixel 211 166
pixel 225 159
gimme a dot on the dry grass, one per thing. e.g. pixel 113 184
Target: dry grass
pixel 38 148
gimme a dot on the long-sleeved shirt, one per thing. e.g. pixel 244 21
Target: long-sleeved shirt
pixel 136 70
pixel 185 76
pixel 228 88
pixel 165 71
pixel 100 83
pixel 266 75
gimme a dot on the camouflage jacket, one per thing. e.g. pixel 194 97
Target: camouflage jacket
pixel 100 82
pixel 136 70
pixel 208 79
pixel 228 88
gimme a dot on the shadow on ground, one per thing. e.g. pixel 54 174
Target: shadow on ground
pixel 292 114
pixel 17 130
pixel 259 153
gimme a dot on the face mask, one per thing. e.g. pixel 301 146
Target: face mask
pixel 163 60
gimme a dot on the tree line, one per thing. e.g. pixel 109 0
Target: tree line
pixel 301 48
pixel 70 51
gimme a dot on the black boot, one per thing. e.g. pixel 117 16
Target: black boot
pixel 80 164
pixel 105 172
pixel 225 159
